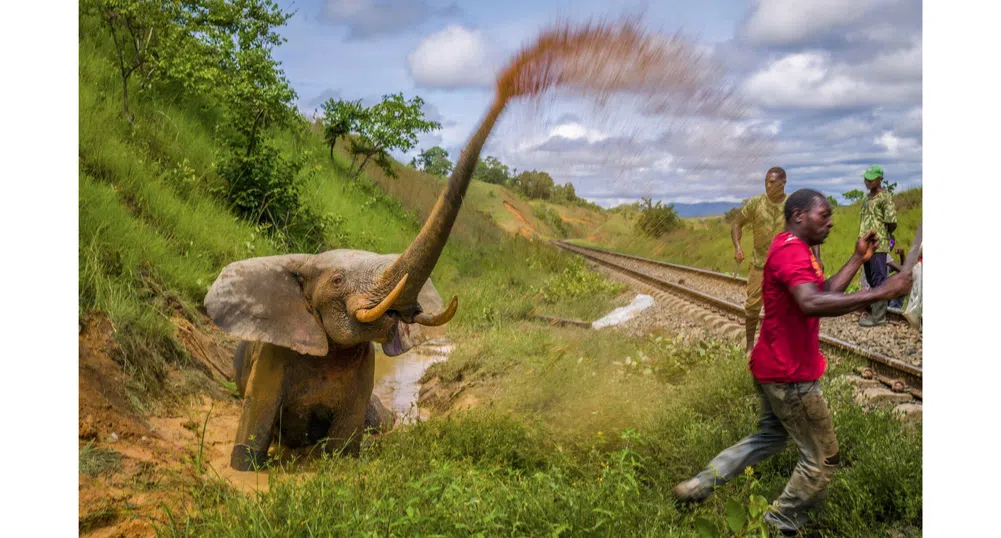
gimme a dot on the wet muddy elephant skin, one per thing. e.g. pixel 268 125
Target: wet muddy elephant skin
pixel 301 400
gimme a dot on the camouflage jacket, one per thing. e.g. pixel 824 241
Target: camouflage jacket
pixel 766 219
pixel 876 211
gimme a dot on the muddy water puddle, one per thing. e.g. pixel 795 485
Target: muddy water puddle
pixel 397 379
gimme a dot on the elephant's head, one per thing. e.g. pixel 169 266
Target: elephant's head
pixel 341 298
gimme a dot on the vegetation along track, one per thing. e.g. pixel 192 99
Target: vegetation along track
pixel 899 369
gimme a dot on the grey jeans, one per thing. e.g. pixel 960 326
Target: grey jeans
pixel 788 410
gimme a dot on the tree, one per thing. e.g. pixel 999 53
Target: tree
pixel 565 193
pixel 392 124
pixel 433 161
pixel 657 219
pixel 890 187
pixel 534 184
pixel 198 45
pixel 832 200
pixel 853 195
pixel 491 170
pixel 132 24
pixel 340 118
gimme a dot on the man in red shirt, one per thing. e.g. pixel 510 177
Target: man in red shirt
pixel 787 364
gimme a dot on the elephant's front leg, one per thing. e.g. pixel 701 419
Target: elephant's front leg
pixel 261 402
pixel 356 384
pixel 344 436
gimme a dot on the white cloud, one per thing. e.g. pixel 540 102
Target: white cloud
pixel 811 80
pixel 455 57
pixel 576 131
pixel 895 145
pixel 791 22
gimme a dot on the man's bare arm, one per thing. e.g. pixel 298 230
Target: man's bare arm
pixel 864 248
pixel 816 303
pixel 844 276
pixel 735 228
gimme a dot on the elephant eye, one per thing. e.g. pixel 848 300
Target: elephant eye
pixel 337 280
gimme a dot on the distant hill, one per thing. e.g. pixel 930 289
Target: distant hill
pixel 704 209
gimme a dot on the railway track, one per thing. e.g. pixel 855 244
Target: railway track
pixel 892 313
pixel 696 286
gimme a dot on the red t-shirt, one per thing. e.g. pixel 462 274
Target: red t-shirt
pixel 788 350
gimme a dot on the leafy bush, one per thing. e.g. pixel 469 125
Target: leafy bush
pixel 853 195
pixel 575 281
pixel 657 220
pixel 552 218
pixel 265 188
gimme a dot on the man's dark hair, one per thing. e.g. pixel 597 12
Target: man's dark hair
pixel 803 200
pixel 777 170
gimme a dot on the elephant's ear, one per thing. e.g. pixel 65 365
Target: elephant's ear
pixel 262 299
pixel 407 335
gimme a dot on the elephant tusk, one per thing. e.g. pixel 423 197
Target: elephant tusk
pixel 435 320
pixel 368 315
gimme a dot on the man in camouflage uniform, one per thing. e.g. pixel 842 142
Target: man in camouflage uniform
pixel 879 215
pixel 765 215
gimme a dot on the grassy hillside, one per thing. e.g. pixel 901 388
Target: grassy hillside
pixel 152 234
pixel 565 440
pixel 487 208
pixel 705 242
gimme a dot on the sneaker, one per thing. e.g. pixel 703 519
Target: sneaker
pixel 690 491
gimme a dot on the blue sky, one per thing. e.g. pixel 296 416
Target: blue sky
pixel 834 86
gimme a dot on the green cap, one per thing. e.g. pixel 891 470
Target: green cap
pixel 873 172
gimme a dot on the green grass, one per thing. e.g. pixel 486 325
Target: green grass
pixel 595 457
pixel 95 460
pixel 706 242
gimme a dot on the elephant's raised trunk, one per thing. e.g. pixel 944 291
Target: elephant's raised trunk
pixel 591 60
pixel 422 254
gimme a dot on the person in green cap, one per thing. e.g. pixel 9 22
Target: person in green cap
pixel 764 213
pixel 880 216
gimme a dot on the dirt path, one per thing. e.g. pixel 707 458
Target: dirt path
pixel 576 221
pixel 526 228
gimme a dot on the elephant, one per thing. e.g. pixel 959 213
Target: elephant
pixel 308 324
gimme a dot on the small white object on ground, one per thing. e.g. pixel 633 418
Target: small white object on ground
pixel 623 314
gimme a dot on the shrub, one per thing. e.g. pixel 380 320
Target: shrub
pixel 657 220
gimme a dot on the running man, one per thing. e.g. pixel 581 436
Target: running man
pixel 787 364
pixel 764 215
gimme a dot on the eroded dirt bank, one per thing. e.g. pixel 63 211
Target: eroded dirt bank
pixel 134 464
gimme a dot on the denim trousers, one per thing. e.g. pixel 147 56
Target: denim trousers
pixel 788 410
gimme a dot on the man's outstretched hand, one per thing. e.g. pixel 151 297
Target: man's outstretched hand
pixel 739 255
pixel 897 285
pixel 866 245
